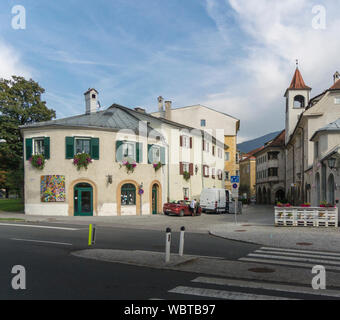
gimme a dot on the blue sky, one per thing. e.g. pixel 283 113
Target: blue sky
pixel 233 55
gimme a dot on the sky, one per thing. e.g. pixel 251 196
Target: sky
pixel 237 56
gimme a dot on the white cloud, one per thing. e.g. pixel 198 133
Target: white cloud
pixel 10 63
pixel 277 32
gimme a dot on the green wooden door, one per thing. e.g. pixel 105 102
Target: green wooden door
pixel 83 201
pixel 154 200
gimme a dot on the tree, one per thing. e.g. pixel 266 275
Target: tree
pixel 20 104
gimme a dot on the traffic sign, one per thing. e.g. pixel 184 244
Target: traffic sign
pixel 235 186
pixel 235 179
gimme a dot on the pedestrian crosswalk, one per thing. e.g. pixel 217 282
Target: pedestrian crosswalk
pixel 294 258
pixel 234 289
pixel 205 287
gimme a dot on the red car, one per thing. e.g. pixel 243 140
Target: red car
pixel 179 208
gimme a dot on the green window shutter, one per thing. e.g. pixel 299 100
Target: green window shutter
pixel 28 148
pixel 119 151
pixel 95 148
pixel 69 147
pixel 139 152
pixel 150 159
pixel 47 147
pixel 162 155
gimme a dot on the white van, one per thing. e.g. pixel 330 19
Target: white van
pixel 215 200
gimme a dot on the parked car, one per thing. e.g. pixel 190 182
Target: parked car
pixel 215 200
pixel 180 208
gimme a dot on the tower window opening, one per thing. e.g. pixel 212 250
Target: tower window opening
pixel 299 102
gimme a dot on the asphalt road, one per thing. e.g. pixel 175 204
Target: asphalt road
pixel 53 273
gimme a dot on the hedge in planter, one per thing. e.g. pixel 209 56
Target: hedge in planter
pixel 82 160
pixel 38 161
pixel 157 166
pixel 186 175
pixel 129 165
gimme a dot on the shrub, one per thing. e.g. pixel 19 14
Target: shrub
pixel 38 161
pixel 82 160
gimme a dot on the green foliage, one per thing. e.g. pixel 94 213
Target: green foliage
pixel 38 161
pixel 82 160
pixel 157 166
pixel 186 175
pixel 129 165
pixel 11 205
pixel 20 104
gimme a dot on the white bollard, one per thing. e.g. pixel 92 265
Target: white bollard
pixel 181 241
pixel 167 245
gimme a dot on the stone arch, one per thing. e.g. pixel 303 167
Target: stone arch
pixel 331 189
pixel 159 195
pixel 279 194
pixel 264 196
pixel 118 196
pixel 71 195
pixel 317 186
pixel 259 196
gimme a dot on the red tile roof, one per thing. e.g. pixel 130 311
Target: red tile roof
pixel 279 141
pixel 250 154
pixel 297 82
pixel 335 86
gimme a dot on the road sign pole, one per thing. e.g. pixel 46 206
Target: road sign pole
pixel 236 207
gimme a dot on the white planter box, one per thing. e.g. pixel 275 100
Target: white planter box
pixel 306 217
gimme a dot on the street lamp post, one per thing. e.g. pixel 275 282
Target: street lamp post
pixel 332 163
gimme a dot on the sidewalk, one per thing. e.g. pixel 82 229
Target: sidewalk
pixel 262 231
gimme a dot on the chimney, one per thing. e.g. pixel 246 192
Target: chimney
pixel 160 104
pixel 168 110
pixel 336 76
pixel 91 100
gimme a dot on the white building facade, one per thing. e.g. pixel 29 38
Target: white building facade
pixel 137 162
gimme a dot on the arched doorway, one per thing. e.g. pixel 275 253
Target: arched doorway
pixel 317 186
pixel 331 189
pixel 279 195
pixel 155 199
pixel 128 199
pixel 264 196
pixel 259 196
pixel 83 199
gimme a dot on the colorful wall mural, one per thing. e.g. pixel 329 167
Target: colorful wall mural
pixel 52 188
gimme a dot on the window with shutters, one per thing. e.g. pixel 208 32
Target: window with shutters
pixel 206 171
pixel 82 145
pixel 185 166
pixel 156 154
pixel 226 173
pixel 129 150
pixel 38 146
pixel 186 142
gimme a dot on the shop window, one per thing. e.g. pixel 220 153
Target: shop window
pixel 128 195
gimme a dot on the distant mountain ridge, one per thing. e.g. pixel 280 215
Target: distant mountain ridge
pixel 250 145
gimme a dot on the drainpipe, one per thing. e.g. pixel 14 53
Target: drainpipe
pixel 168 174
